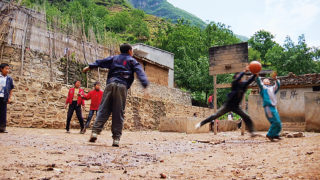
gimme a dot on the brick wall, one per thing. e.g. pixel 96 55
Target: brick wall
pixel 155 73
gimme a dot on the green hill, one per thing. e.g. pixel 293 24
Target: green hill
pixel 164 9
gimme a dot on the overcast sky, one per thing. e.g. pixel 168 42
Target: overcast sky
pixel 280 17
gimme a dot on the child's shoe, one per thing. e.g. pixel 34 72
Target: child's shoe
pixel 93 137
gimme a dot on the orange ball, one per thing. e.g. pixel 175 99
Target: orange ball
pixel 255 67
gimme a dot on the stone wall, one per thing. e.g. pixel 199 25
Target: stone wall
pixel 37 66
pixel 40 104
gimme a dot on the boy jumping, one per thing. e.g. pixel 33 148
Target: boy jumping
pixel 268 94
pixel 238 90
pixel 120 77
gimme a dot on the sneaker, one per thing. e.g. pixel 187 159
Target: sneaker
pixel 116 143
pixel 270 138
pixel 93 137
pixel 253 135
pixel 197 126
pixel 82 131
pixel 277 137
pixel 68 131
pixel 4 131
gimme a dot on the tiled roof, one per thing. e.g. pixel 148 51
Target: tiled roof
pixel 292 80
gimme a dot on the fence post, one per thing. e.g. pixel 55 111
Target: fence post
pixel 23 44
pixel 50 61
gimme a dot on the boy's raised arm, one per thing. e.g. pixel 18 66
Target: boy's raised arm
pixel 141 74
pixel 103 63
pixel 258 80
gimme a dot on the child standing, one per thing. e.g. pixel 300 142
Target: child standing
pixel 120 78
pixel 75 101
pixel 6 86
pixel 95 96
pixel 268 94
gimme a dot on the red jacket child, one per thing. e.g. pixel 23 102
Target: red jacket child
pixel 95 96
pixel 80 100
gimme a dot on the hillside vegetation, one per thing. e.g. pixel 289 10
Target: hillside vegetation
pixel 116 21
pixel 162 8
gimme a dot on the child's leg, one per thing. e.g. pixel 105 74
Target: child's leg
pixel 279 126
pixel 79 116
pixel 3 115
pixel 104 111
pixel 91 112
pixel 274 119
pixel 119 93
pixel 224 109
pixel 69 116
pixel 246 118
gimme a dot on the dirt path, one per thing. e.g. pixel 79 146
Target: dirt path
pixel 53 154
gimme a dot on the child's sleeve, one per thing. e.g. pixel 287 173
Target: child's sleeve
pixel 140 73
pixel 249 81
pixel 68 97
pixel 258 80
pixel 276 86
pixel 88 96
pixel 11 84
pixel 103 63
pixel 240 76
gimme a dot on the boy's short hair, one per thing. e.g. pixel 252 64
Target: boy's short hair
pixel 76 82
pixel 3 65
pixel 124 48
pixel 96 83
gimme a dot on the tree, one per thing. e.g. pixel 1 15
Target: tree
pixel 262 41
pixel 296 58
pixel 254 54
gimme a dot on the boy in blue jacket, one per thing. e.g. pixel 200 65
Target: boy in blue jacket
pixel 120 78
pixel 268 94
pixel 6 86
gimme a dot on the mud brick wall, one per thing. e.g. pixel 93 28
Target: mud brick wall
pixel 155 74
pixel 40 104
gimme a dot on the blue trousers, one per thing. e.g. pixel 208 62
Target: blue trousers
pixel 274 119
pixel 91 112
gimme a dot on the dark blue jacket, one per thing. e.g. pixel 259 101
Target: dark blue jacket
pixel 238 90
pixel 121 69
pixel 8 88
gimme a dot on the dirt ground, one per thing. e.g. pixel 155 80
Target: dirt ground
pixel 54 154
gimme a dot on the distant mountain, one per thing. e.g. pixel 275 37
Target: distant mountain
pixel 242 38
pixel 164 9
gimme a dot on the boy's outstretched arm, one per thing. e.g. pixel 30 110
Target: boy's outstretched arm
pixel 103 63
pixel 141 74
pixel 251 79
pixel 258 80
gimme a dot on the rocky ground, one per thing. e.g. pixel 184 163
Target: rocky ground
pixel 53 154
